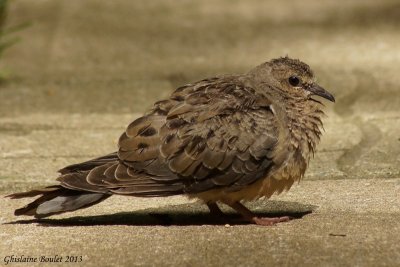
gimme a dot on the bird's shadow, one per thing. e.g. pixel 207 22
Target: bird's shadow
pixel 184 215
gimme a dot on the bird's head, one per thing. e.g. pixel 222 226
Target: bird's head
pixel 292 77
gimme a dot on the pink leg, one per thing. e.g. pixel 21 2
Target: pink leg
pixel 251 217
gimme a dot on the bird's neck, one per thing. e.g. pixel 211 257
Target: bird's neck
pixel 304 121
pixel 301 125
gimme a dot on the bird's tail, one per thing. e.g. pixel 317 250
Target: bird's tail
pixel 55 200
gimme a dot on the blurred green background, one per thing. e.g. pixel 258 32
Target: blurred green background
pixel 120 56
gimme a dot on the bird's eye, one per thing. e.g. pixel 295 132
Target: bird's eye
pixel 294 80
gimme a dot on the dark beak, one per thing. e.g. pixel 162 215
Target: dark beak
pixel 315 89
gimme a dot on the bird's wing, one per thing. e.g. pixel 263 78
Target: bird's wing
pixel 211 134
pixel 90 164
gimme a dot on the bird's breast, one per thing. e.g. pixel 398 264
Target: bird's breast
pixel 274 182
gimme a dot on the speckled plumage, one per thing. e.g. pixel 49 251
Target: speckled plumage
pixel 227 139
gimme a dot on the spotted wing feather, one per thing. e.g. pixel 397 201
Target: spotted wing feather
pixel 211 134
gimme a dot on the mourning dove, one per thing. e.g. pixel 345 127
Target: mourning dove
pixel 222 140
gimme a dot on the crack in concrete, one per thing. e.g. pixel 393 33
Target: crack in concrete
pixel 17 129
pixel 370 136
pixel 50 157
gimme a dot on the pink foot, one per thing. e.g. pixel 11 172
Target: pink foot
pixel 265 221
